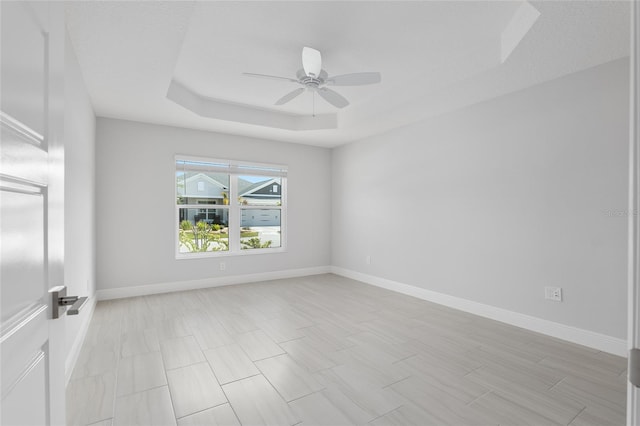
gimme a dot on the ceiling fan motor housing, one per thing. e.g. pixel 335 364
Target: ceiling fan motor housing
pixel 311 82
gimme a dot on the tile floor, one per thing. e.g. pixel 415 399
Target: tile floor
pixel 326 350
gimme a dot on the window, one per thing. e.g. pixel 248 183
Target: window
pixel 209 224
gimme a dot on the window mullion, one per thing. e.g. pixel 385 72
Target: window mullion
pixel 234 215
pixel 283 212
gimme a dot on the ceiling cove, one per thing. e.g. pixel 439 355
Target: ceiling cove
pixel 182 63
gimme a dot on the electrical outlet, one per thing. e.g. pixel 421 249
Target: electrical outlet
pixel 367 260
pixel 553 293
pixel 223 266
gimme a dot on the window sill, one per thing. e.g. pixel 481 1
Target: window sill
pixel 248 252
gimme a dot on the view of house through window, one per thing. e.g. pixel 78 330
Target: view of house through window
pixel 208 222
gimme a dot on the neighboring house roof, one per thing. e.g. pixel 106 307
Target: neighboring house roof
pixel 245 188
pixel 248 191
pixel 187 181
pixel 200 175
pixel 243 185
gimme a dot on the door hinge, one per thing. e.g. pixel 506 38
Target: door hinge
pixel 634 367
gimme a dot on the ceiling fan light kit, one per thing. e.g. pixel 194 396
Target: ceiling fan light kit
pixel 311 61
pixel 313 78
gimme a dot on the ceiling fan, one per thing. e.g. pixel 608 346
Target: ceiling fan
pixel 313 78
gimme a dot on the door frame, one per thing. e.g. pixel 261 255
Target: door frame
pixel 633 333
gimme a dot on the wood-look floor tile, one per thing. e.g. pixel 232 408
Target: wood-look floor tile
pixel 91 399
pixel 367 391
pixel 180 352
pixel 546 346
pixel 150 407
pixel 192 300
pixel 194 388
pixel 355 411
pixel 172 328
pixel 337 326
pixel 198 317
pixel 368 361
pixel 410 414
pixel 306 354
pixel 139 342
pixel 517 369
pixel 107 422
pixel 258 345
pixel 294 318
pixel 614 362
pixel 317 409
pixel 95 361
pixel 290 380
pixel 140 372
pixel 280 330
pixel 507 412
pixel 599 416
pixel 137 321
pixel 377 356
pixel 591 393
pixel 499 348
pixel 323 338
pixel 490 333
pixel 376 339
pixel 256 402
pixel 395 332
pixel 454 385
pixel 385 351
pixel 103 333
pixel 559 408
pixel 221 415
pixel 442 341
pixel 236 323
pixel 456 363
pixel 107 310
pixel 211 335
pixel 588 368
pixel 230 363
pixel 441 406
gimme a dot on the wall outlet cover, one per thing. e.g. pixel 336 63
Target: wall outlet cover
pixel 553 293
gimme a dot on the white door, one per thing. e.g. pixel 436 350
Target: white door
pixel 32 209
pixel 633 392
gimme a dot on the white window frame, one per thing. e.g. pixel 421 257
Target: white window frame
pixel 235 168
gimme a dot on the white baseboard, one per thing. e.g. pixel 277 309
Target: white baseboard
pixel 573 334
pixel 580 336
pixel 74 353
pixel 143 290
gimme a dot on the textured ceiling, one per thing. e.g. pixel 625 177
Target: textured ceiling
pixel 434 57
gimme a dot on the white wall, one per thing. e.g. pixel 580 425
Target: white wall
pixel 493 202
pixel 79 204
pixel 136 204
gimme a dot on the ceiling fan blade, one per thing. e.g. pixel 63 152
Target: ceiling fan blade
pixel 311 61
pixel 355 79
pixel 290 96
pixel 272 77
pixel 334 98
